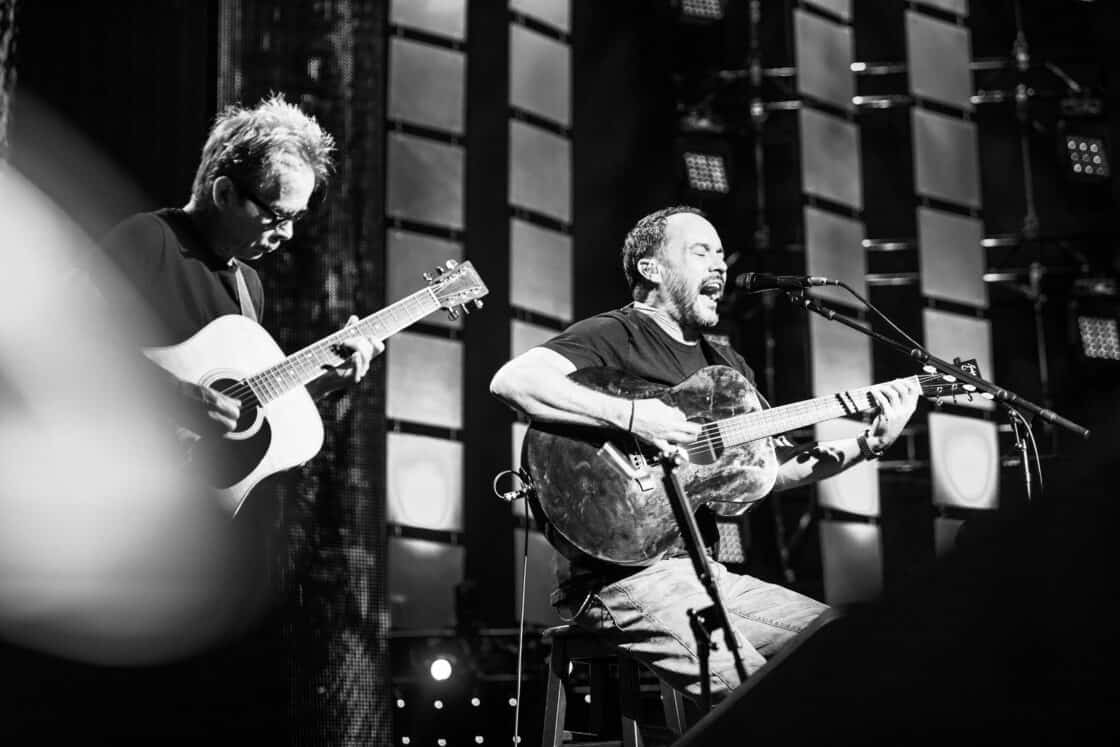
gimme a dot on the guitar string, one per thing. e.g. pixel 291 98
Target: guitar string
pixel 711 431
pixel 270 377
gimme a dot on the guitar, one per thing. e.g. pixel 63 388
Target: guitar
pixel 280 427
pixel 598 494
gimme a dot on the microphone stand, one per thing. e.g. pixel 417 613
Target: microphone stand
pixel 707 620
pixel 998 393
pixel 1013 402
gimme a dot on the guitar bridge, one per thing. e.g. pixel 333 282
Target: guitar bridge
pixel 631 465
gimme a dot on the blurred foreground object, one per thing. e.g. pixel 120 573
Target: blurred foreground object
pixel 107 553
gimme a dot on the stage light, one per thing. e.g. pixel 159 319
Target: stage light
pixel 706 172
pixel 1099 338
pixel 400 702
pixel 479 739
pixel 1087 157
pixel 1095 318
pixel 440 669
pixel 513 702
pixel 438 705
pixel 1083 139
pixel 406 740
pixel 701 11
pixel 441 742
pixel 476 702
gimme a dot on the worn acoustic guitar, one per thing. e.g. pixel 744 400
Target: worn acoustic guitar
pixel 598 494
pixel 280 426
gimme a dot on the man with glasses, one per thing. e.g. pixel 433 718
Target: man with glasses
pixel 259 171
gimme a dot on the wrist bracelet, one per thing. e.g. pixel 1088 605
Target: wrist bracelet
pixel 865 449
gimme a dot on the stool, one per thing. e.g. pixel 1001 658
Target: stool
pixel 572 644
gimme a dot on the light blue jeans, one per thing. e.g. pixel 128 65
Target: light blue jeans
pixel 646 614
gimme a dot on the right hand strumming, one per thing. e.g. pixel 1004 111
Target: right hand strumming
pixel 208 411
pixel 662 425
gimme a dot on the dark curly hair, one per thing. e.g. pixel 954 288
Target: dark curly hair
pixel 246 144
pixel 644 240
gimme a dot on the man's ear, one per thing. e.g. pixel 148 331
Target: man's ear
pixel 650 269
pixel 223 192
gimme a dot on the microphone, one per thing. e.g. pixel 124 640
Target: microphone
pixel 755 282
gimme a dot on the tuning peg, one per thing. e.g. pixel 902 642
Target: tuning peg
pixel 428 277
pixel 451 264
pixel 478 303
pixel 466 309
pixel 439 271
pixel 452 314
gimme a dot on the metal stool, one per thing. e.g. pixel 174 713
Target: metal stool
pixel 571 644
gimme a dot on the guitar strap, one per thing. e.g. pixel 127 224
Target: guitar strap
pixel 243 298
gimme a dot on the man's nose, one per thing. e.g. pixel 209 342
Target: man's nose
pixel 285 229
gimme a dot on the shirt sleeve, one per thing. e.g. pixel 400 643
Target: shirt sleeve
pixel 598 341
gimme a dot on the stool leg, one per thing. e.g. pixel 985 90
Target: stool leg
pixel 630 700
pixel 599 682
pixel 556 699
pixel 673 704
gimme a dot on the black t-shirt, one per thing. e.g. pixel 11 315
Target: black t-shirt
pixel 176 275
pixel 630 340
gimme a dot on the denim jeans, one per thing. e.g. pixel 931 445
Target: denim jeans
pixel 646 614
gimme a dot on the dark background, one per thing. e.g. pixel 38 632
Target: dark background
pixel 1011 637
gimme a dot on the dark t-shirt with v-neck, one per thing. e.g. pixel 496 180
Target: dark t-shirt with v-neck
pixel 177 276
pixel 629 339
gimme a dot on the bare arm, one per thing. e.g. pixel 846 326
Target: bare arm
pixel 537 384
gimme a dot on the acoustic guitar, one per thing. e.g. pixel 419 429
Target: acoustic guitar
pixel 280 427
pixel 598 493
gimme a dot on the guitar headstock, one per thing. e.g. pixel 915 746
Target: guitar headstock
pixel 940 385
pixel 457 287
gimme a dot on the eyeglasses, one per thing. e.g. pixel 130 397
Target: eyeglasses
pixel 272 216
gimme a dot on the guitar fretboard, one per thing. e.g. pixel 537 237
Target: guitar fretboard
pixel 741 429
pixel 306 365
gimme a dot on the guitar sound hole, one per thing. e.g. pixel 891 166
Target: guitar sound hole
pixel 230 388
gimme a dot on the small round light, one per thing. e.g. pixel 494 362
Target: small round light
pixel 440 669
pixel 441 742
pixel 400 702
pixel 476 702
pixel 479 739
pixel 406 740
pixel 512 702
pixel 438 704
pixel 587 698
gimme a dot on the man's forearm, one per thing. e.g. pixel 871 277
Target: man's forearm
pixel 548 395
pixel 816 462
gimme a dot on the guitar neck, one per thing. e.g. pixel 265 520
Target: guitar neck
pixel 751 426
pixel 306 365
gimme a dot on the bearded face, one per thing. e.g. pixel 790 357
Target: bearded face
pixel 695 299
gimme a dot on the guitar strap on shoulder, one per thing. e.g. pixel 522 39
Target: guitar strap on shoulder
pixel 244 299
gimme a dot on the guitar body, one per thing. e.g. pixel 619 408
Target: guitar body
pixel 279 435
pixel 598 495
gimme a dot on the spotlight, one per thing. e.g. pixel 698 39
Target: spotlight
pixel 440 669
pixel 707 172
pixel 1100 337
pixel 1083 139
pixel 1095 321
pixel 731 547
pixel 701 11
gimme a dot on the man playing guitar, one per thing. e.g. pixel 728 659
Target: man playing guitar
pixel 259 170
pixel 674 263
